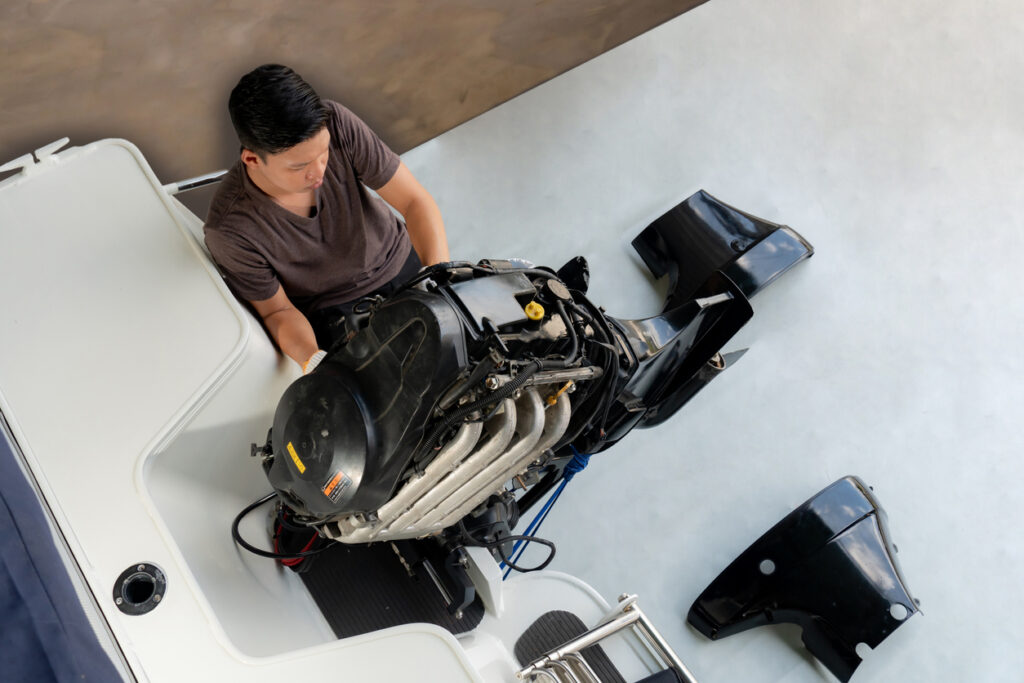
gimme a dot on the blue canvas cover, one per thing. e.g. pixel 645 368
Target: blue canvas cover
pixel 44 633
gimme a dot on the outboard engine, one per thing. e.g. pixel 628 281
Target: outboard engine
pixel 463 396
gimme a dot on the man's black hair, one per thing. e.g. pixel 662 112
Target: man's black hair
pixel 273 109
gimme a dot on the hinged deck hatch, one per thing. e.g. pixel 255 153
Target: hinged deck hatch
pixel 114 323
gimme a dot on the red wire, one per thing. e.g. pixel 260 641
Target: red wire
pixel 295 560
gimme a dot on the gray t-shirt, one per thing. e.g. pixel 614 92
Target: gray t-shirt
pixel 350 247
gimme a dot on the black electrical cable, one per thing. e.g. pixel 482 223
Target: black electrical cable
pixel 519 537
pixel 570 357
pixel 609 336
pixel 607 408
pixel 258 551
pixel 502 392
pixel 492 413
pixel 601 398
pixel 499 542
pixel 482 369
pixel 428 271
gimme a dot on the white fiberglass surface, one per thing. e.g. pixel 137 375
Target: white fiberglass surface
pixel 197 483
pixel 104 299
pixel 201 481
pixel 892 138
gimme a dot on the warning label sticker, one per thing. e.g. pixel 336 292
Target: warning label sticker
pixel 336 486
pixel 295 459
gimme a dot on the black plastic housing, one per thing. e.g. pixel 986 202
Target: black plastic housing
pixel 701 235
pixel 716 258
pixel 354 423
pixel 829 566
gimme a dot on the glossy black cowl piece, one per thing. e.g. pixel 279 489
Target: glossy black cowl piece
pixel 716 258
pixel 829 567
pixel 702 235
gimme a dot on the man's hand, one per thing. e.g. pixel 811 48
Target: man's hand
pixel 422 217
pixel 288 326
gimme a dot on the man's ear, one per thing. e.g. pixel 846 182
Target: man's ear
pixel 250 158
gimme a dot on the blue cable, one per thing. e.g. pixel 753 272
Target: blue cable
pixel 578 463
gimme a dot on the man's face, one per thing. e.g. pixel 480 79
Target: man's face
pixel 296 170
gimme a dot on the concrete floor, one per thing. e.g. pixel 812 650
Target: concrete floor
pixel 891 137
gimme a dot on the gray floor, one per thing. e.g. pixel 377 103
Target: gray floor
pixel 890 136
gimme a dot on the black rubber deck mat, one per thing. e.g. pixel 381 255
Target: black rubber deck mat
pixel 364 588
pixel 556 628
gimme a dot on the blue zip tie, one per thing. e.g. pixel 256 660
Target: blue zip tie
pixel 578 463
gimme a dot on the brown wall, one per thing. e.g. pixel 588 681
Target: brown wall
pixel 158 72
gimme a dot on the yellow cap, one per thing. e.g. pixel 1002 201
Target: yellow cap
pixel 534 311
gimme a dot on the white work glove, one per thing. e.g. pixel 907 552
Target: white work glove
pixel 314 360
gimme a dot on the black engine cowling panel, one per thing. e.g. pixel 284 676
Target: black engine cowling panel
pixel 383 382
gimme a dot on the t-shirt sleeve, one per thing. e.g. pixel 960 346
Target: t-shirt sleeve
pixel 246 270
pixel 373 161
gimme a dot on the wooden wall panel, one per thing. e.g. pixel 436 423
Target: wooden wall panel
pixel 158 72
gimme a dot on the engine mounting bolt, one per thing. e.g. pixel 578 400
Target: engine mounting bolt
pixel 491 383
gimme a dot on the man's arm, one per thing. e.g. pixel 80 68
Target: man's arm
pixel 422 217
pixel 288 326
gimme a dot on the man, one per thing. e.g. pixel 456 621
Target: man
pixel 292 225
